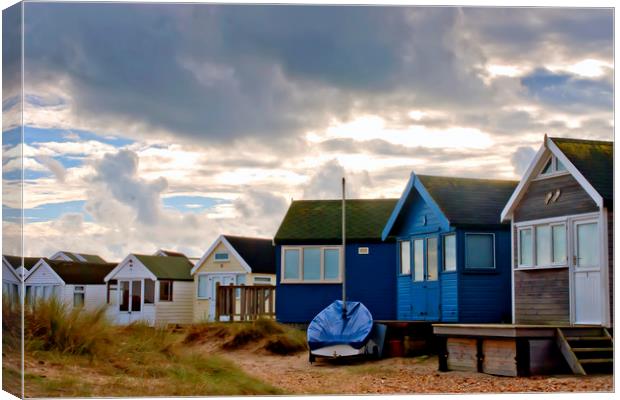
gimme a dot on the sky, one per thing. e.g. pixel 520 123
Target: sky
pixel 152 126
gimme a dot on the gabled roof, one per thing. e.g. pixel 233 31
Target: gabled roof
pixel 258 253
pixel 590 162
pixel 16 261
pixel 594 159
pixel 81 257
pixel 168 253
pixel 321 220
pixel 173 268
pixel 80 273
pixel 460 201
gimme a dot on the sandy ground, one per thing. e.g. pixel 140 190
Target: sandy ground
pixel 294 374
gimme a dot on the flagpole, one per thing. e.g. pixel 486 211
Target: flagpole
pixel 344 252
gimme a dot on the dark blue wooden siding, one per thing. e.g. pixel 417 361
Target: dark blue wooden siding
pixel 371 279
pixel 484 297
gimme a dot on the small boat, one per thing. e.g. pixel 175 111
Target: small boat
pixel 348 331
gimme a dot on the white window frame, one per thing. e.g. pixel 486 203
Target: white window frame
pixel 532 227
pixel 216 260
pixel 322 279
pixel 443 253
pixel 465 266
pixel 554 169
pixel 81 289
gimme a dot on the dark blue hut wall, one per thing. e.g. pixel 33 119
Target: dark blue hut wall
pixel 484 296
pixel 371 279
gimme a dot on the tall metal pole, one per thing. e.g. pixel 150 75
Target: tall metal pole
pixel 344 252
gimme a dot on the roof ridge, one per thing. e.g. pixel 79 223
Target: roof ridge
pixel 584 141
pixel 469 178
pixel 376 199
pixel 246 237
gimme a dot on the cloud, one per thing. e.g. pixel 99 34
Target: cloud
pixel 118 173
pixel 521 159
pixel 326 183
pixel 54 166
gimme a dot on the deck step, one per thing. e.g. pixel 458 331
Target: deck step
pixel 586 338
pixel 596 360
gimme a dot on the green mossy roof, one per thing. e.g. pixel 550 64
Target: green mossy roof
pixel 321 220
pixel 468 201
pixel 81 273
pixel 594 159
pixel 173 268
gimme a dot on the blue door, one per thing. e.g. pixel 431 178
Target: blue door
pixel 425 284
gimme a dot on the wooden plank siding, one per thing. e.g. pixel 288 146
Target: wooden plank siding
pixel 499 357
pixel 180 309
pixel 542 296
pixel 573 199
pixel 462 354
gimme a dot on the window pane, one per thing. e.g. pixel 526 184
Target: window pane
pixel 547 168
pixel 78 299
pixel 479 251
pixel 587 245
pixel 149 291
pixel 312 264
pixel 525 244
pixel 165 290
pixel 543 245
pixel 431 259
pixel 560 166
pixel 331 262
pixel 124 306
pixel 559 244
pixel 449 253
pixel 291 264
pixel 418 260
pixel 202 286
pixel 136 295
pixel 405 258
pixel 221 256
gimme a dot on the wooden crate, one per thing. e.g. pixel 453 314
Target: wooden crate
pixel 462 354
pixel 499 357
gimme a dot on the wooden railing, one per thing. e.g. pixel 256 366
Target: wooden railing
pixel 245 303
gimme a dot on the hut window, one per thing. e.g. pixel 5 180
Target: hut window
pixel 165 290
pixel 262 280
pixel 331 262
pixel 311 264
pixel 431 259
pixel 542 245
pixel 78 296
pixel 525 247
pixel 449 253
pixel 405 257
pixel 149 291
pixel 552 167
pixel 479 251
pixel 202 286
pixel 558 233
pixel 221 257
pixel 112 285
pixel 291 264
pixel 418 260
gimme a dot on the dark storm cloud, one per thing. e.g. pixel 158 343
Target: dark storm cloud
pixel 223 73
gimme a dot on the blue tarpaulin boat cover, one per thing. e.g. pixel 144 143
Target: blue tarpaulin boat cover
pixel 329 327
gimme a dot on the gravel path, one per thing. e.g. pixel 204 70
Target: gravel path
pixel 396 376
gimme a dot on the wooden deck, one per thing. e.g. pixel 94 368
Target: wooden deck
pixel 245 303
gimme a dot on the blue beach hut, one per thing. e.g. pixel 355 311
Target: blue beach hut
pixel 453 253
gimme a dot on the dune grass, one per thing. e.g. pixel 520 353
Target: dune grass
pixel 264 333
pixel 80 354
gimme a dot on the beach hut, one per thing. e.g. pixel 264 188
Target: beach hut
pixel 562 220
pixel 309 254
pixel 154 289
pixel 231 260
pixel 14 269
pixel 77 284
pixel 78 257
pixel 453 253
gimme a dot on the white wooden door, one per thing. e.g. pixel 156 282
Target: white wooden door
pixel 130 303
pixel 213 281
pixel 586 267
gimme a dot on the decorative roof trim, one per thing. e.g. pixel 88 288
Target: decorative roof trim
pixel 122 265
pixel 14 270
